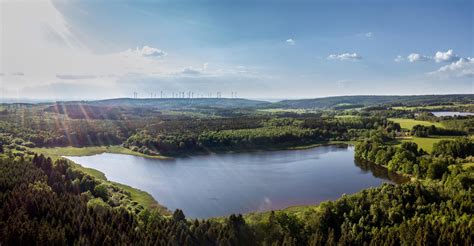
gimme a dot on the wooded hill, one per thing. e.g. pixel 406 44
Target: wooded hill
pixel 366 101
pixel 175 103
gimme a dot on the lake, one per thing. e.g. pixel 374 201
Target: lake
pixel 221 184
pixel 451 113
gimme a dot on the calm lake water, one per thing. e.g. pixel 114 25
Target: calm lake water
pixel 450 113
pixel 222 184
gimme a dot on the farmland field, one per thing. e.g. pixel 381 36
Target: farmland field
pixel 410 123
pixel 427 143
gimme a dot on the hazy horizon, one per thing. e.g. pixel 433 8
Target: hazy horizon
pixel 46 100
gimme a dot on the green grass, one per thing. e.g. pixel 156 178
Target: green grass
pixel 427 143
pixel 410 123
pixel 143 198
pixel 90 171
pixel 85 151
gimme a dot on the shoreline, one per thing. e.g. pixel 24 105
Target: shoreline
pixel 56 152
pixel 253 150
pixel 143 197
pixel 92 150
pixel 149 201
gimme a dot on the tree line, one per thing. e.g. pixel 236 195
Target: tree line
pixel 411 160
pixel 176 137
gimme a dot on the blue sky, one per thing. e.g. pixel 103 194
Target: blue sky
pixel 261 49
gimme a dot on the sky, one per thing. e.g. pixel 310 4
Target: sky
pixel 69 50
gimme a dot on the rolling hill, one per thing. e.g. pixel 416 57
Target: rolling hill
pixel 332 102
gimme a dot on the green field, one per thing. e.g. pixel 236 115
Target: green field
pixel 410 123
pixel 427 143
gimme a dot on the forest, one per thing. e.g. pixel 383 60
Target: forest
pixel 48 200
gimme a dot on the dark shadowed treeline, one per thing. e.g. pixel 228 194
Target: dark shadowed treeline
pixel 177 137
pixel 426 131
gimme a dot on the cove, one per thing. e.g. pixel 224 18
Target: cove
pixel 213 185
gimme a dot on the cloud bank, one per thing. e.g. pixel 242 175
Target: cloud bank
pixel 464 67
pixel 447 56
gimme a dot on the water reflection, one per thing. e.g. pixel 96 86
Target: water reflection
pixel 451 113
pixel 380 171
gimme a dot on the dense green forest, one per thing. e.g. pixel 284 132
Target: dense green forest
pixel 53 202
pixel 250 133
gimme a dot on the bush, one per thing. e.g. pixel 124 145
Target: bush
pixel 101 191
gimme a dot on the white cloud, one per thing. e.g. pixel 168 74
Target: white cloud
pixel 439 56
pixel 146 51
pixel 447 56
pixel 415 57
pixel 369 34
pixel 345 57
pixel 464 67
pixel 399 58
pixel 290 41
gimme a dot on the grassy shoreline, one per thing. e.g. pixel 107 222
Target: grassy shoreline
pixel 94 150
pixel 141 197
